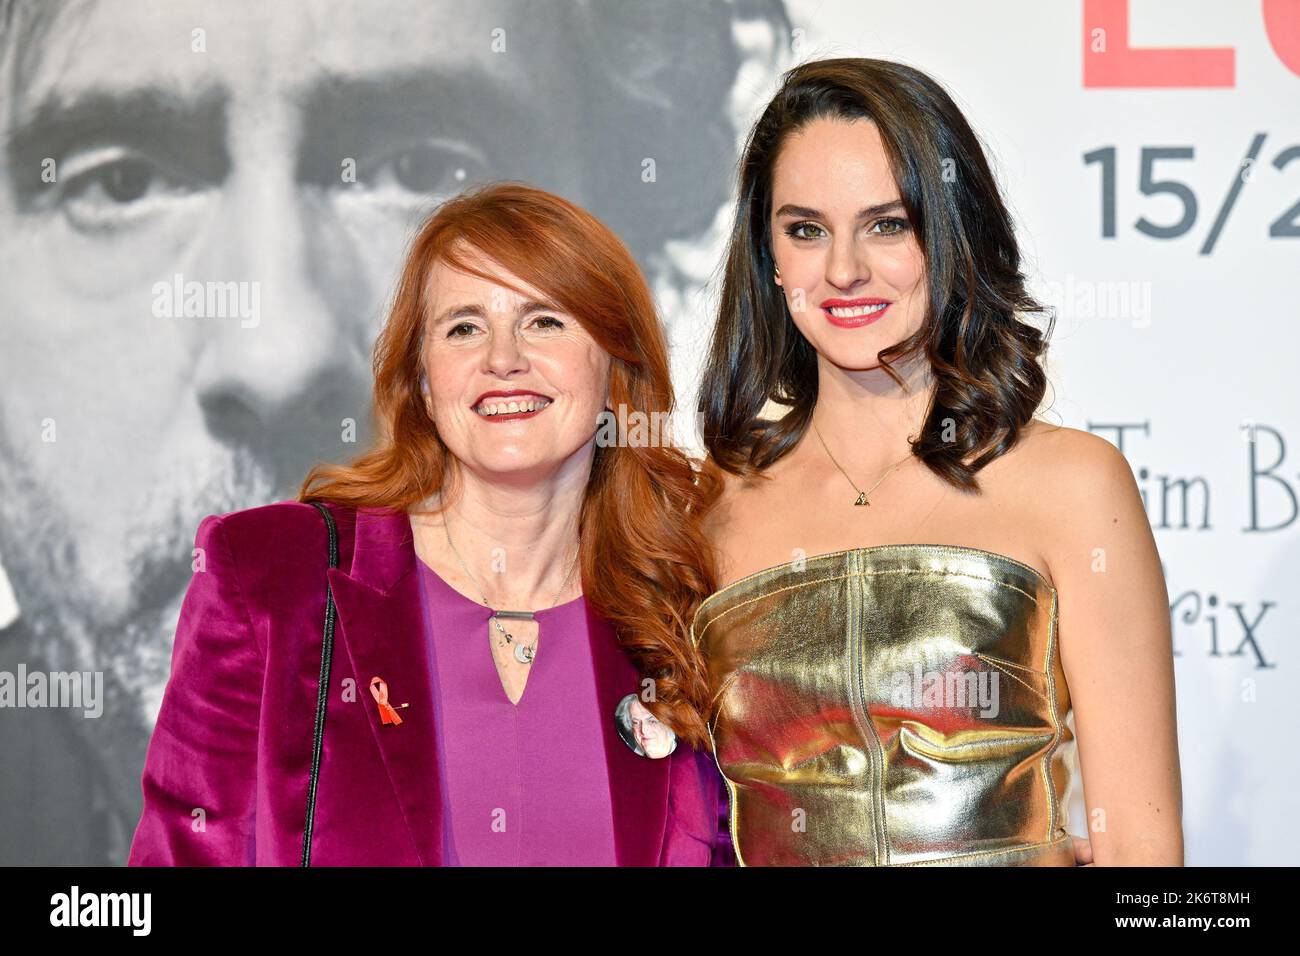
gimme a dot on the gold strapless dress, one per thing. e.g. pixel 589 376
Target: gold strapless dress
pixel 891 706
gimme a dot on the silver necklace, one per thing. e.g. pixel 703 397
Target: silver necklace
pixel 524 653
pixel 862 495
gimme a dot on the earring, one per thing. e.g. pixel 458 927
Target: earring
pixel 778 275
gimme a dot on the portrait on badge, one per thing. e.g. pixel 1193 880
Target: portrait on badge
pixel 641 730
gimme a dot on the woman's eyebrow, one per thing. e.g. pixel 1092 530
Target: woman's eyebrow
pixel 474 310
pixel 789 209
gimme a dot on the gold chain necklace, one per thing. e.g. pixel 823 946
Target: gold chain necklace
pixel 862 498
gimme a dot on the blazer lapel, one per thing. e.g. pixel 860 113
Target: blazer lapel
pixel 638 786
pixel 382 633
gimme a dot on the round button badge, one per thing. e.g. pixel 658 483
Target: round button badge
pixel 642 731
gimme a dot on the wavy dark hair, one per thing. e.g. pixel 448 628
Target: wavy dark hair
pixel 985 359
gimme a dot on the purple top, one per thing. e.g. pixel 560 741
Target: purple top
pixel 522 784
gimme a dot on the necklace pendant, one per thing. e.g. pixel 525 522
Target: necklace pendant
pixel 862 499
pixel 524 653
pixel 506 636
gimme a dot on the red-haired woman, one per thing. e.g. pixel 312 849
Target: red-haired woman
pixel 505 580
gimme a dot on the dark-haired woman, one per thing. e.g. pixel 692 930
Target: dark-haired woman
pixel 925 580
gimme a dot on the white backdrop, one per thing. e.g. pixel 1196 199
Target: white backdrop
pixel 1174 352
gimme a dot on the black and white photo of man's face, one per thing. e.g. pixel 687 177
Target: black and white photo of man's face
pixel 225 155
pixel 275 157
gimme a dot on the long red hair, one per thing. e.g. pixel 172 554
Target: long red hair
pixel 646 565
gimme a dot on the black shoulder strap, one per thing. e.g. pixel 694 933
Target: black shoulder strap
pixel 322 690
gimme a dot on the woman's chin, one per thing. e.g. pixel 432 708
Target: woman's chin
pixel 524 468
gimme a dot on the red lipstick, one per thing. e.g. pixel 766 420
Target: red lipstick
pixel 854 313
pixel 501 398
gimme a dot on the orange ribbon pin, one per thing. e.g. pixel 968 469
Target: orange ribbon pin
pixel 379 691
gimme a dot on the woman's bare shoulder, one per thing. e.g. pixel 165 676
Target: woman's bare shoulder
pixel 1069 473
pixel 1054 452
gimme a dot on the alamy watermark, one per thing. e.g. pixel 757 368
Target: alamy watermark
pixel 75 689
pixel 130 910
pixel 945 690
pixel 179 299
pixel 1126 300
pixel 629 428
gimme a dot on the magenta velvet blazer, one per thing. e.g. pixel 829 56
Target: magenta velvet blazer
pixel 226 773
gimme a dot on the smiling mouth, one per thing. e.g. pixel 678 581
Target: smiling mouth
pixel 853 316
pixel 856 311
pixel 502 409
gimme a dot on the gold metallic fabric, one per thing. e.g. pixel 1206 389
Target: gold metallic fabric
pixel 891 706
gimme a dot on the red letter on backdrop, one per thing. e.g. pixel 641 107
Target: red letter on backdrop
pixel 1108 60
pixel 1282 22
